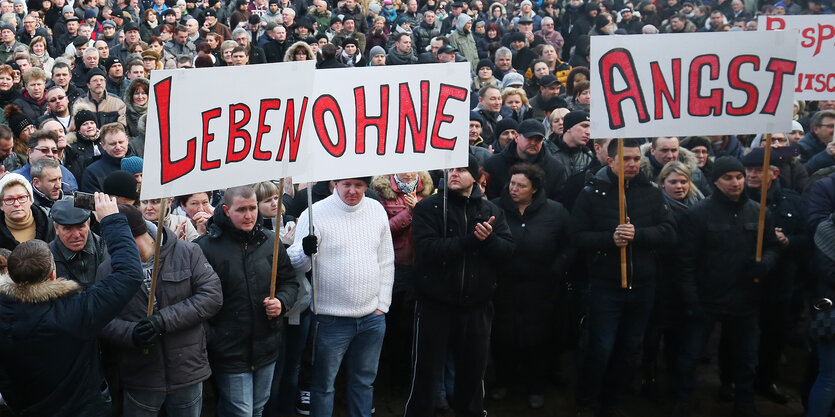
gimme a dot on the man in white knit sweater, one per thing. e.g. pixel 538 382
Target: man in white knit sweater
pixel 352 282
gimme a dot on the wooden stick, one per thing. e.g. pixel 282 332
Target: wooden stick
pixel 277 240
pixel 621 212
pixel 163 206
pixel 766 182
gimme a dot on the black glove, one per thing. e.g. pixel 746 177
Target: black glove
pixel 756 269
pixel 147 330
pixel 310 245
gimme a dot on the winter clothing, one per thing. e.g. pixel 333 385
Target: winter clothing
pixel 400 218
pixel 110 109
pixel 498 166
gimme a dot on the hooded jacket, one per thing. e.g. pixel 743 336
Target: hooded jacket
pixel 240 337
pixel 464 42
pixel 49 331
pixel 132 111
pixel 188 293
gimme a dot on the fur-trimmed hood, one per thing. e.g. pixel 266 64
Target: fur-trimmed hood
pixel 684 155
pixel 385 188
pixel 291 51
pixel 41 292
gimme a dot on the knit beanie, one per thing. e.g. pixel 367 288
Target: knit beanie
pixel 135 219
pixel 15 179
pixel 508 123
pixel 476 117
pixel 573 118
pixel 513 78
pixel 472 167
pixel 484 63
pixel 694 142
pixel 132 164
pixel 120 184
pixel 377 50
pixel 17 120
pixel 84 116
pixel 724 165
pixel 600 21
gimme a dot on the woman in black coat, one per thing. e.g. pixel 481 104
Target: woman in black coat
pixel 525 297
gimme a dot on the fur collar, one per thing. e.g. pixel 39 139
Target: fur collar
pixel 684 155
pixel 382 184
pixel 41 292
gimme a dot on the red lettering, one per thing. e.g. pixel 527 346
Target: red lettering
pixel 205 163
pixel 737 84
pixel 446 93
pixel 809 79
pixel 799 87
pixel 326 103
pixel 620 59
pixel 267 104
pixel 825 32
pixel 808 37
pixel 830 83
pixel 289 124
pixel 699 105
pixel 407 115
pixel 364 121
pixel 821 79
pixel 780 68
pixel 171 170
pixel 774 23
pixel 661 89
pixel 236 132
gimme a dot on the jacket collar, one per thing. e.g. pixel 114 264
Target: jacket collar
pixel 41 292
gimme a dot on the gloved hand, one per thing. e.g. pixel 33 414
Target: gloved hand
pixel 310 245
pixel 147 330
pixel 756 269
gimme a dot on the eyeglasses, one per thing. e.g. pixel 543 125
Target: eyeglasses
pixel 47 151
pixel 829 126
pixel 11 200
pixel 54 99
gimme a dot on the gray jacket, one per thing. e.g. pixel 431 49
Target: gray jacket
pixel 188 293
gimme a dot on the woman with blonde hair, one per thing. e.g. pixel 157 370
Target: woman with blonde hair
pixel 269 200
pixel 39 50
pixel 516 101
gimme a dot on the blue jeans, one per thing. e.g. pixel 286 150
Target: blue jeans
pixel 822 395
pixel 244 394
pixel 185 402
pixel 358 341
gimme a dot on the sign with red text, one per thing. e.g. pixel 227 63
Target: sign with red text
pixel 385 120
pixel 692 84
pixel 221 127
pixel 815 53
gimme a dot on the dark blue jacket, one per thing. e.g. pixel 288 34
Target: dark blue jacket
pixel 96 172
pixel 821 201
pixel 48 334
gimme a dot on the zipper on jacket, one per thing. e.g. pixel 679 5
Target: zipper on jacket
pixel 251 310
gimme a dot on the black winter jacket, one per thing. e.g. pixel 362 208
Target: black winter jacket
pixel 498 166
pixel 241 338
pixel 454 268
pixel 595 217
pixel 718 243
pixel 43 229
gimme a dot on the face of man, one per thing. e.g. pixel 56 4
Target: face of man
pixel 665 150
pixel 525 27
pixel 35 88
pixel 348 26
pixel 288 17
pixel 434 46
pixel 475 131
pixel 492 100
pixel 29 24
pixel 92 60
pixel 578 135
pixel 504 62
pixel 72 27
pixel 242 40
pixel 57 102
pixel 96 85
pixel 116 71
pixel 731 184
pixel 631 162
pixel 404 44
pixel 6 146
pixel 429 18
pixel 49 183
pixel 239 58
pixel 412 6
pixel 460 181
pixel 517 45
pixel 46 148
pixel 191 25
pixel 446 57
pixel 754 176
pixel 136 71
pixel 74 237
pixel 677 24
pixel 181 37
pixel 280 33
pixel 243 212
pixel 61 76
pixel 529 147
pixel 824 130
pixel 116 144
pixel 716 19
pixel 351 190
pixel 550 91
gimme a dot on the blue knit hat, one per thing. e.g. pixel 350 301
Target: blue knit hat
pixel 132 164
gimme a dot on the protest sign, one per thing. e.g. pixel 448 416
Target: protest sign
pixel 220 127
pixel 385 120
pixel 815 53
pixel 718 84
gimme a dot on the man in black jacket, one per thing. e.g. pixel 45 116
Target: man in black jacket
pixel 78 251
pixel 617 313
pixel 720 280
pixel 457 256
pixel 526 148
pixel 244 337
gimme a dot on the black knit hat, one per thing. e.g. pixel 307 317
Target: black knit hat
pixel 695 141
pixel 573 118
pixel 485 63
pixel 135 219
pixel 95 71
pixel 84 116
pixel 472 167
pixel 17 120
pixel 724 165
pixel 120 184
pixel 508 123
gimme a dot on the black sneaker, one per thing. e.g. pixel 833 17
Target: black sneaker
pixel 303 404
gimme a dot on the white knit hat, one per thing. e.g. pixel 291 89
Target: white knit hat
pixel 15 179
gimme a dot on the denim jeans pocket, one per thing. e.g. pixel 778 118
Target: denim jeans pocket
pixel 323 320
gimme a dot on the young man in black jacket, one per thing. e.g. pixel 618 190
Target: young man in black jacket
pixel 617 314
pixel 457 257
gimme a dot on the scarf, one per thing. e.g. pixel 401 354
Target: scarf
pixel 152 25
pixel 351 60
pixel 406 187
pixel 24 230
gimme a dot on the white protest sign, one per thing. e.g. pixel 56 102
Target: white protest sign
pixel 692 84
pixel 385 120
pixel 815 53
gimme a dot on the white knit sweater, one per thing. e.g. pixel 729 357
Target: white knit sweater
pixel 354 270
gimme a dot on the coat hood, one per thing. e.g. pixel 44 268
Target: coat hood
pixel 462 20
pixel 291 51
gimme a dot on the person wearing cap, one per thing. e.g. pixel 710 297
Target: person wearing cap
pixel 108 108
pixel 116 83
pixel 629 22
pixel 727 288
pixel 122 185
pixel 484 76
pixel 462 40
pixel 446 54
pixel 21 128
pixel 351 55
pixel 479 149
pixel 20 219
pixel 377 56
pixel 354 290
pixel 120 50
pixel 353 8
pixel 506 132
pixel 161 359
pixel 77 250
pixel 527 148
pixel 9 42
pixel 549 87
pixel 571 149
pixel 664 149
pixel 526 12
pixel 63 39
pixel 457 256
pixel 59 27
pixel 211 23
pixel 45 311
pixel 275 50
pixel 595 230
pixel 349 32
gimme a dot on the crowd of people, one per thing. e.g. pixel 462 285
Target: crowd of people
pixel 416 281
